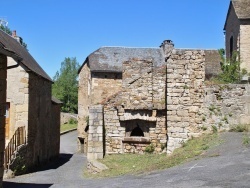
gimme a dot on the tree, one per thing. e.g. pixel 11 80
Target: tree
pixel 8 31
pixel 65 86
pixel 222 54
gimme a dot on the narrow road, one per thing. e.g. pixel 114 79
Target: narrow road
pixel 69 168
pixel 226 165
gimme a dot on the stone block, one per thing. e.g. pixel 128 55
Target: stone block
pixel 99 130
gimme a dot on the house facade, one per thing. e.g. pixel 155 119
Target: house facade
pixel 30 108
pixel 237 31
pixel 127 95
pixel 4 53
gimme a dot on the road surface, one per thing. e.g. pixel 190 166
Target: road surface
pixel 227 165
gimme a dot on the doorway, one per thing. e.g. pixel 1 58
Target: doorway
pixel 7 120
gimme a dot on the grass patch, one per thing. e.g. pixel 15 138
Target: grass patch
pixel 240 128
pixel 121 164
pixel 245 140
pixel 68 126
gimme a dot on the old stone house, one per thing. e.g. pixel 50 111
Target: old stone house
pixel 130 88
pixel 30 107
pixel 237 31
pixel 4 53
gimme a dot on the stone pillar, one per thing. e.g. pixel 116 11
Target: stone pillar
pixel 3 76
pixel 95 134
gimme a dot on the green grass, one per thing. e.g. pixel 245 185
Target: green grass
pixel 68 126
pixel 121 164
pixel 245 140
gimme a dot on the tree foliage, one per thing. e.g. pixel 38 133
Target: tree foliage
pixel 231 72
pixel 65 86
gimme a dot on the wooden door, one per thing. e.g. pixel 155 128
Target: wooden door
pixel 7 120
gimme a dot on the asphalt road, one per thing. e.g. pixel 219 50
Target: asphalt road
pixel 227 165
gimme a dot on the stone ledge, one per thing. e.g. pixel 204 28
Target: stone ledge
pixel 137 139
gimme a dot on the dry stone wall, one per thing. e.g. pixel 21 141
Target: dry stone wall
pixel 226 106
pixel 3 87
pixel 185 95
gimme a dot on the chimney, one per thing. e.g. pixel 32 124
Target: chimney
pixel 14 33
pixel 19 39
pixel 167 47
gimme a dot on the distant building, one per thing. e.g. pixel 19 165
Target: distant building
pixel 237 31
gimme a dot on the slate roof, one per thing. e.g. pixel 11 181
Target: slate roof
pixel 242 9
pixel 8 42
pixel 110 59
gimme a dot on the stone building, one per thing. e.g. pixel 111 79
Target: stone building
pixel 128 97
pixel 237 31
pixel 4 52
pixel 30 106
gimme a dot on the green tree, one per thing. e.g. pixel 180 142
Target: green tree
pixel 222 54
pixel 65 86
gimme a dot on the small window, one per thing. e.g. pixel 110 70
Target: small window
pixel 231 48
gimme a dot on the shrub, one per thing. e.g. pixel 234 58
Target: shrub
pixel 72 121
pixel 231 72
pixel 150 148
pixel 240 128
pixel 214 129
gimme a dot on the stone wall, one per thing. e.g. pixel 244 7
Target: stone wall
pixel 118 128
pixel 226 106
pixel 40 128
pixel 232 29
pixel 3 87
pixel 185 95
pixel 94 87
pixel 137 106
pixel 54 132
pixel 83 104
pixel 244 44
pixel 17 96
pixel 95 133
pixel 66 117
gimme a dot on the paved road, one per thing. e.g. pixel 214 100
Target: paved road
pixel 227 165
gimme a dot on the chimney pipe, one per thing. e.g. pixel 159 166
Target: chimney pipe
pixel 167 46
pixel 14 33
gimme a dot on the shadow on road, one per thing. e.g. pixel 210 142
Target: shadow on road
pixel 24 185
pixel 63 159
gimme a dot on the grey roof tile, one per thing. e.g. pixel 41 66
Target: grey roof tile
pixel 110 59
pixel 242 8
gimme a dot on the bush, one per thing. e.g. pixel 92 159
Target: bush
pixel 150 148
pixel 240 128
pixel 214 129
pixel 231 72
pixel 72 121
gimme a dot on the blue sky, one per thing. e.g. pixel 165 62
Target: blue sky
pixel 55 29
